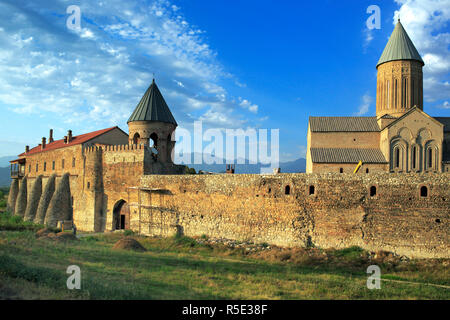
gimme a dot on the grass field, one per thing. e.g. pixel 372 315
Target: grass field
pixel 181 268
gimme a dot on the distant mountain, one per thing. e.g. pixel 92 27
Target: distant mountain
pixel 295 166
pixel 298 165
pixel 4 161
pixel 5 177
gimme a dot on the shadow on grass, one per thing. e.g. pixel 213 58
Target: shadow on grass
pixel 120 274
pixel 93 288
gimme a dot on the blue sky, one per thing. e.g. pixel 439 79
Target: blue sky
pixel 246 64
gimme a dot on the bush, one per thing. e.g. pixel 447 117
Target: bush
pixel 188 170
pixel 185 241
pixel 16 223
pixel 128 232
pixel 350 253
pixel 89 239
pixel 11 267
pixel 2 203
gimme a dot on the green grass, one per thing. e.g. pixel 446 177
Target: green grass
pixel 11 222
pixel 3 198
pixel 181 268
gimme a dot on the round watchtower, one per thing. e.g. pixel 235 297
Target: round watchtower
pixel 152 124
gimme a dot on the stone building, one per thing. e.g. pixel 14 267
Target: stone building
pixel 99 165
pixel 401 137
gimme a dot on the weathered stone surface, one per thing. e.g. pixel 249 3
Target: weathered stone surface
pixel 21 202
pixel 33 201
pixel 60 207
pixel 12 197
pixel 340 212
pixel 45 200
pixel 329 210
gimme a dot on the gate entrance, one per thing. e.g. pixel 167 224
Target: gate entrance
pixel 121 215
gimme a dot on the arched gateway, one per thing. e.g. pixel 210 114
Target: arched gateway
pixel 121 215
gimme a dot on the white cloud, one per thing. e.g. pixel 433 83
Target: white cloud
pixel 46 68
pixel 445 105
pixel 248 105
pixel 368 37
pixel 179 83
pixel 364 106
pixel 426 22
pixel 86 33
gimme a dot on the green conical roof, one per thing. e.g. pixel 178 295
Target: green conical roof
pixel 152 107
pixel 399 47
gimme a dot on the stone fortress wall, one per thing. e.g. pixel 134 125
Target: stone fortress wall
pixel 406 214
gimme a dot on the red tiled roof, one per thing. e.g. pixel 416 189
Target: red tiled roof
pixel 58 144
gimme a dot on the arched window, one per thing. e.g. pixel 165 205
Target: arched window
pixel 341 170
pixel 424 191
pixel 430 158
pixel 311 190
pixel 287 190
pixel 136 138
pixel 154 138
pixel 397 157
pixel 387 94
pixel 367 170
pixel 395 93
pixel 373 191
pixel 414 157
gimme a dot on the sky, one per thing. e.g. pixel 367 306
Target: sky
pixel 232 64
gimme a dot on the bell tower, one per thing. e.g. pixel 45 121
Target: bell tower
pixel 152 124
pixel 399 76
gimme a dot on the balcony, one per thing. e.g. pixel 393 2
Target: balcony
pixel 17 169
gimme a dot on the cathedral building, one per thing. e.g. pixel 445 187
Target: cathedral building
pixel 400 138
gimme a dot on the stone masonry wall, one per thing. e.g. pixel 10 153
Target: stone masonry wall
pixel 326 210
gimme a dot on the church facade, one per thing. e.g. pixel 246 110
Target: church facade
pixel 400 138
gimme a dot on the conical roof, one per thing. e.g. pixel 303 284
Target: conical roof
pixel 152 107
pixel 399 47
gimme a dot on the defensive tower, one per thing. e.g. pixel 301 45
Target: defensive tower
pixel 152 124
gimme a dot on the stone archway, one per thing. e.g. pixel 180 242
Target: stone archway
pixel 136 138
pixel 121 215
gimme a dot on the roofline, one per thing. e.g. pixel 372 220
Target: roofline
pixel 379 64
pixel 346 131
pixel 120 130
pixel 409 112
pixel 356 162
pixel 108 130
pixel 153 121
pixel 24 154
pixel 342 117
